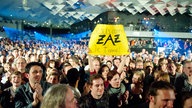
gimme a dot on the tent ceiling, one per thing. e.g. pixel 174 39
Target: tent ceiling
pixel 67 12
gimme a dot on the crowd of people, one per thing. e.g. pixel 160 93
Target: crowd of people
pixel 62 74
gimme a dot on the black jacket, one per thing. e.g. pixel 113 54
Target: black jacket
pixel 88 101
pixel 24 96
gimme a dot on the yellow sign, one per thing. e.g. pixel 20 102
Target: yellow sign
pixel 108 40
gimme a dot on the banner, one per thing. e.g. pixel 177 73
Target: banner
pixel 108 40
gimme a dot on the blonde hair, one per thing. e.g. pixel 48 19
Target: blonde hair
pixel 55 96
pixel 164 77
pixel 141 74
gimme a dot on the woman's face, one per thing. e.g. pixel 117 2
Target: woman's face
pixel 135 79
pixel 109 64
pixel 52 64
pixel 105 72
pixel 115 81
pixel 96 65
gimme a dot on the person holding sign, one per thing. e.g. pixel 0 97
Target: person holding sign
pixel 107 40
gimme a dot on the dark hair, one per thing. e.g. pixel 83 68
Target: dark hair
pixel 186 61
pixel 49 62
pixel 93 77
pixel 31 64
pixel 102 68
pixel 109 61
pixel 72 76
pixel 116 58
pixel 159 85
pixel 132 61
pixel 111 74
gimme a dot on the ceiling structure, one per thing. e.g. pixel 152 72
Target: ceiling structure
pixel 67 12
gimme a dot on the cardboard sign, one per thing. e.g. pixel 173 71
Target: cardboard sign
pixel 108 40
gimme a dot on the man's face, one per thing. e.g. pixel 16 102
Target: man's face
pixel 21 63
pixel 172 68
pixel 187 68
pixel 164 99
pixel 155 60
pixel 139 65
pixel 35 74
pixel 97 88
pixel 132 66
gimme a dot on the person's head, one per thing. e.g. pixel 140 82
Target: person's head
pixel 51 63
pixel 109 64
pixel 156 59
pixel 59 96
pixel 104 70
pixel 15 78
pixel 172 68
pixel 34 72
pixel 179 68
pixel 15 52
pixel 20 52
pixel 51 70
pixel 132 65
pixel 10 58
pixel 161 95
pixel 7 67
pixel 139 64
pixel 187 100
pixel 20 64
pixel 187 68
pixel 147 63
pixel 74 61
pixel 53 78
pixel 164 77
pixel 96 63
pixel 73 76
pixel 96 83
pixel 65 68
pixel 116 61
pixel 114 79
pixel 138 77
pixel 163 64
